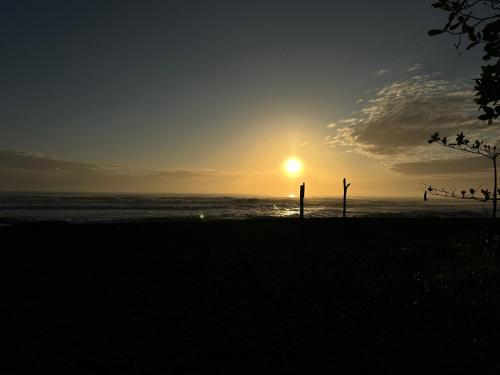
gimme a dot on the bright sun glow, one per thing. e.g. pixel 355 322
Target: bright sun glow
pixel 292 167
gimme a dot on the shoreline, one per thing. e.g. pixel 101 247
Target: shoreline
pixel 250 220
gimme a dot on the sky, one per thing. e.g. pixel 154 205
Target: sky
pixel 213 96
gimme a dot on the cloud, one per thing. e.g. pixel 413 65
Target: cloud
pixel 23 170
pixel 395 125
pixel 359 101
pixel 414 68
pixel 343 121
pixel 351 120
pixel 381 72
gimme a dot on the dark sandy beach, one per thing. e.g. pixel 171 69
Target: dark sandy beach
pixel 271 296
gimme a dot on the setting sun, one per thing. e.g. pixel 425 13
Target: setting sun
pixel 292 167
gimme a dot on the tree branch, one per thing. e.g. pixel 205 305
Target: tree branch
pixel 441 192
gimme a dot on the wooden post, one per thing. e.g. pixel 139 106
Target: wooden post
pixel 495 188
pixel 302 192
pixel 345 197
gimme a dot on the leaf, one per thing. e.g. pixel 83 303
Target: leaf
pixel 435 32
pixel 489 110
pixel 472 45
pixel 434 138
pixel 442 5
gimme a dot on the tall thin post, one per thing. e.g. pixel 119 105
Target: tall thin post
pixel 346 186
pixel 495 189
pixel 302 192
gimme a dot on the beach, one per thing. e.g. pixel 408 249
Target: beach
pixel 253 296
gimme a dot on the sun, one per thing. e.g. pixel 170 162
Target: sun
pixel 292 166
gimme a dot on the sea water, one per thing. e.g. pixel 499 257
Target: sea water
pixel 80 208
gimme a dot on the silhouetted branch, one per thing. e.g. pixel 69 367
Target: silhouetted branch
pixel 479 21
pixel 464 194
pixel 479 148
pixel 463 144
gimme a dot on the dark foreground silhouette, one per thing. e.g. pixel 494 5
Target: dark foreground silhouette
pixel 268 296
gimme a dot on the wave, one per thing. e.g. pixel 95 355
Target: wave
pixel 122 207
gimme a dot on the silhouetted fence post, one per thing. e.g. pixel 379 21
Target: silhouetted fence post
pixel 302 192
pixel 345 197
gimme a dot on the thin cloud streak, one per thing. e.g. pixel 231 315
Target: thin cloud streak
pixel 381 72
pixel 23 170
pixel 445 167
pixel 414 68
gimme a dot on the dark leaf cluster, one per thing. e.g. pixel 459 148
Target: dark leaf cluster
pixel 479 22
pixel 487 88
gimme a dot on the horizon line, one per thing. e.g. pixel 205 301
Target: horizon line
pixel 197 194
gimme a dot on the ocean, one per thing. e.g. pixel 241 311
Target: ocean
pixel 116 208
